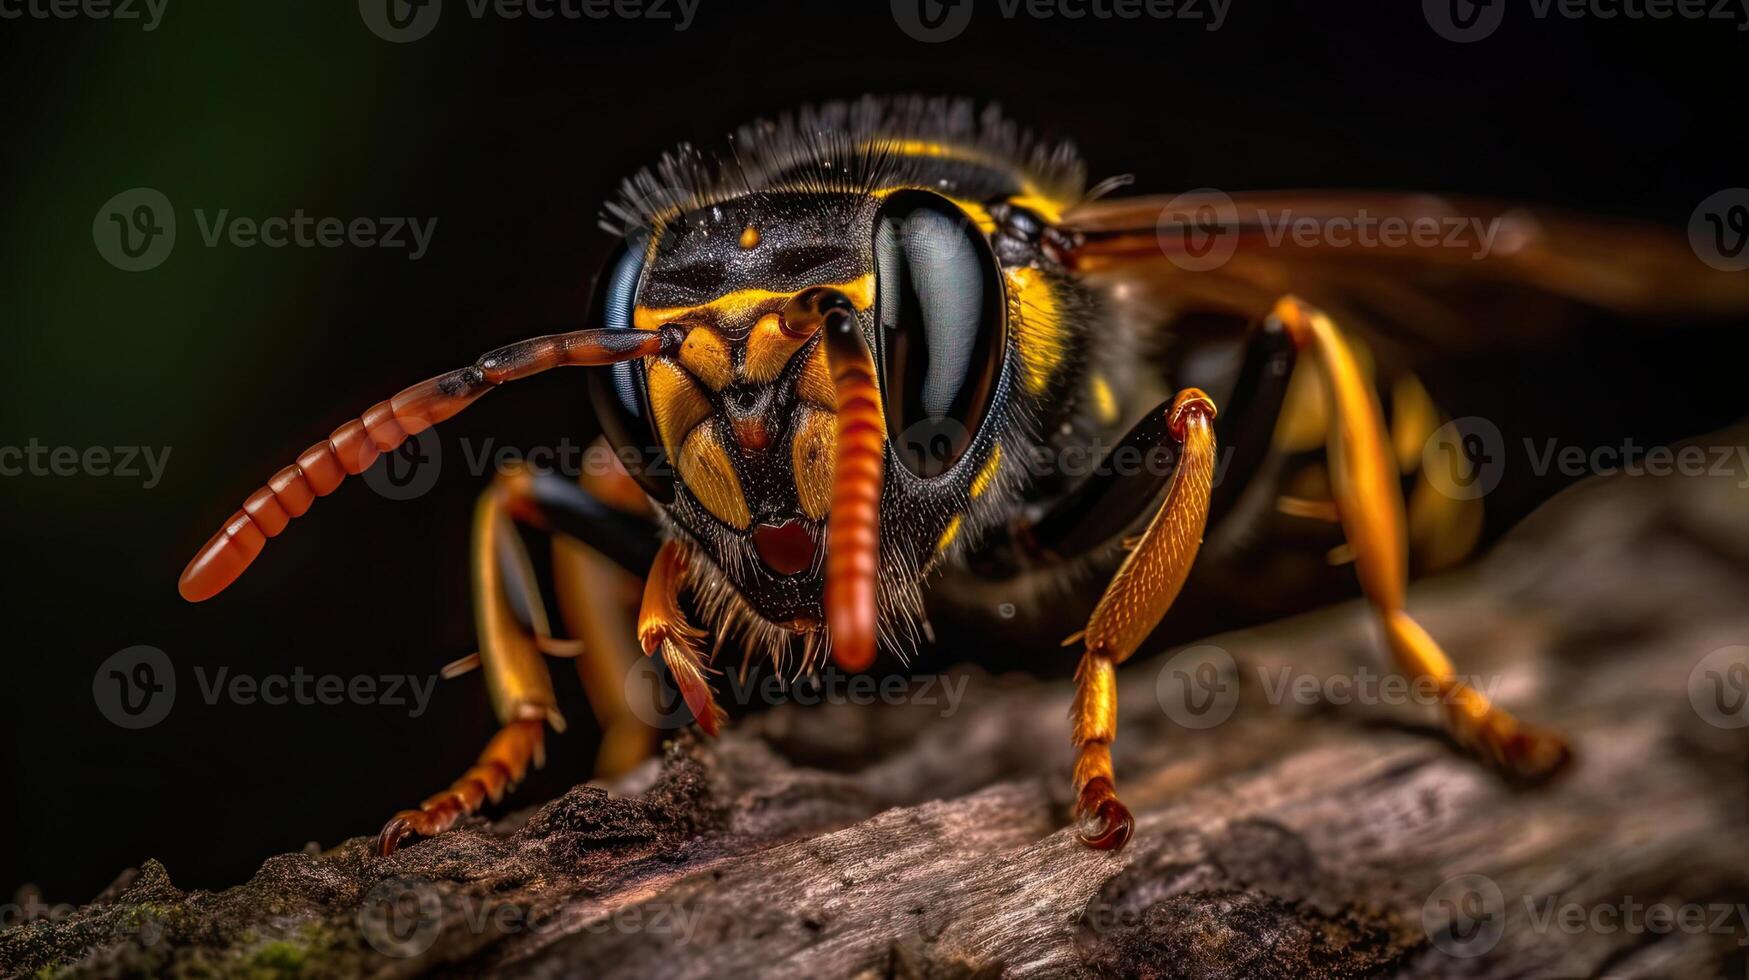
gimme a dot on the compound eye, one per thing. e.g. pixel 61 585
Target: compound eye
pixel 939 308
pixel 617 391
pixel 618 292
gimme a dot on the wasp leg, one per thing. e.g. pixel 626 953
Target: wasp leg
pixel 663 626
pixel 1133 604
pixel 598 600
pixel 1365 483
pixel 501 766
pixel 505 598
pixel 514 633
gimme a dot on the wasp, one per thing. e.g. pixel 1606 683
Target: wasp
pixel 836 362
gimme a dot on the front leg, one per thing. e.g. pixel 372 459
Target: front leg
pixel 1139 594
pixel 514 634
pixel 662 625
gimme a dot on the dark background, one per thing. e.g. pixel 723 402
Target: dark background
pixel 511 134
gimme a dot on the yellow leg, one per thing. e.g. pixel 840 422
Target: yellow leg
pixel 599 601
pixel 1364 480
pixel 1144 588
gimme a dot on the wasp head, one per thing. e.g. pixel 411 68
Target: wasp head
pixel 745 411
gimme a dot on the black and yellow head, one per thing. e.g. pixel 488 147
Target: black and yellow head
pixel 934 225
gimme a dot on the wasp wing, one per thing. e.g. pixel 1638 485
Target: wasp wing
pixel 1424 258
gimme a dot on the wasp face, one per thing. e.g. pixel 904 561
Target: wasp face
pixel 745 410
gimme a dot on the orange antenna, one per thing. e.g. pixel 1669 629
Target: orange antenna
pixel 350 449
pixel 853 525
pixel 853 543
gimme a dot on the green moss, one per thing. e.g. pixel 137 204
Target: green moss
pixel 309 953
pixel 279 958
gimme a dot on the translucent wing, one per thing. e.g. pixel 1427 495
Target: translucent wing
pixel 1457 273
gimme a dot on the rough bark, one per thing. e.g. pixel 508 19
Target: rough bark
pixel 1292 840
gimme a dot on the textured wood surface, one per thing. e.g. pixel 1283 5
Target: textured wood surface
pixel 1299 838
